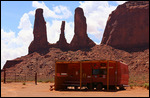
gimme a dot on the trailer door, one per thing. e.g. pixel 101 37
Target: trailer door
pixel 74 73
pixel 86 73
pixel 112 73
pixel 95 72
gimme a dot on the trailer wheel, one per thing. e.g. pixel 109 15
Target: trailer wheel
pixel 121 87
pixel 76 87
pixel 90 86
pixel 99 87
pixel 65 88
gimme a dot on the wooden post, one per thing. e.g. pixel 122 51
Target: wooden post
pixel 4 75
pixel 25 77
pixel 36 78
pixel 116 72
pixel 80 75
pixel 15 76
pixel 56 85
pixel 107 75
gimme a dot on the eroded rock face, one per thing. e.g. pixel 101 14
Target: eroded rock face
pixel 80 39
pixel 62 43
pixel 128 26
pixel 40 43
pixel 11 63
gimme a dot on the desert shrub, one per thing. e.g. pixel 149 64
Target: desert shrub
pixel 131 86
pixel 146 85
pixel 2 80
pixel 46 81
pixel 39 81
pixel 138 80
pixel 52 80
pixel 23 83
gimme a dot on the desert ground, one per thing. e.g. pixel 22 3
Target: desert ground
pixel 17 89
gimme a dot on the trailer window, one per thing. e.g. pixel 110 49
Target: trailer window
pixel 103 64
pixel 95 71
pixel 102 72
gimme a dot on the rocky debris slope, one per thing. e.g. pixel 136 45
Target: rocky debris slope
pixel 45 64
pixel 11 63
pixel 80 39
pixel 40 43
pixel 128 26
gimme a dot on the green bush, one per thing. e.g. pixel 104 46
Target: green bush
pixel 131 86
pixel 23 83
pixel 39 81
pixel 2 80
pixel 52 80
pixel 46 81
pixel 146 85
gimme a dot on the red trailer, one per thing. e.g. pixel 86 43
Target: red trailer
pixel 91 74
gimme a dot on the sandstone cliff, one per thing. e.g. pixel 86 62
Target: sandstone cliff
pixel 128 26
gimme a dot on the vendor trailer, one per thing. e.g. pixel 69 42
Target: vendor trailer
pixel 91 74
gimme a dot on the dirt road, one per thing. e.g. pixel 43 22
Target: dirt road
pixel 42 90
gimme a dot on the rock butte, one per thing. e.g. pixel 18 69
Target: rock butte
pixel 62 43
pixel 80 39
pixel 127 27
pixel 40 42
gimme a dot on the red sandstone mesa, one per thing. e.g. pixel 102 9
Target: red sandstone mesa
pixel 128 26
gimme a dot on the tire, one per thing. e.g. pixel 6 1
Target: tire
pixel 65 87
pixel 112 88
pixel 121 88
pixel 76 87
pixel 90 86
pixel 99 87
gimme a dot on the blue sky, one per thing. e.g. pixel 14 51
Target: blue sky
pixel 17 21
pixel 12 11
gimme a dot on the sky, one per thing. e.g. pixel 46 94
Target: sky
pixel 17 21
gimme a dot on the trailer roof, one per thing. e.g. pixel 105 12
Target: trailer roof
pixel 85 61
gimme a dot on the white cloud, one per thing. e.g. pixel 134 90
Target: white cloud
pixel 25 22
pixel 10 48
pixel 31 13
pixel 96 13
pixel 57 9
pixel 53 31
pixel 16 46
pixel 59 12
pixel 6 37
pixel 69 31
pixel 120 2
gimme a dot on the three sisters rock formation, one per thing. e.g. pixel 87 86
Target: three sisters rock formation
pixel 79 41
